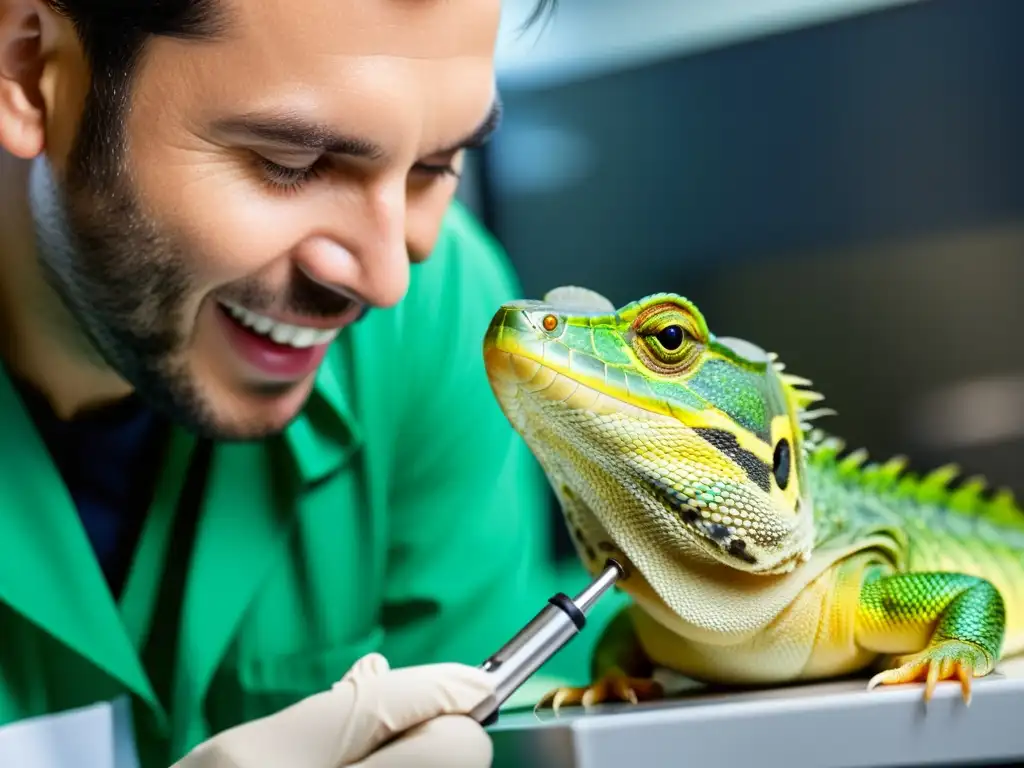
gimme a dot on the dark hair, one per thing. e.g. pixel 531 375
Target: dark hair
pixel 542 9
pixel 113 32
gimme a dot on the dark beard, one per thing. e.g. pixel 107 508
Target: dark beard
pixel 123 284
pixel 126 282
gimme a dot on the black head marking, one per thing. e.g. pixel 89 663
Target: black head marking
pixel 738 548
pixel 718 531
pixel 678 501
pixel 782 463
pixel 726 442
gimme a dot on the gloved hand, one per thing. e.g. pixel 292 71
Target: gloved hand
pixel 351 724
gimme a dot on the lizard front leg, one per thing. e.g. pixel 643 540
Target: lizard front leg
pixel 620 671
pixel 946 625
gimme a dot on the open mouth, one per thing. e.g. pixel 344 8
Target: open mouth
pixel 299 337
pixel 278 350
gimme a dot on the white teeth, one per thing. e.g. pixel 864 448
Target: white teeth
pixel 282 333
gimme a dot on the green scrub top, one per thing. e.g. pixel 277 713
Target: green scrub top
pixel 398 513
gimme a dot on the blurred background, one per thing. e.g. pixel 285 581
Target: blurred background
pixel 840 181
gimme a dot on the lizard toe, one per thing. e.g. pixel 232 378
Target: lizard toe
pixel 946 660
pixel 613 687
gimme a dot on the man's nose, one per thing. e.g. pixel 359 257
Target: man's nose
pixel 363 252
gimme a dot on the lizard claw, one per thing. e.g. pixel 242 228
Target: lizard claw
pixel 611 687
pixel 946 660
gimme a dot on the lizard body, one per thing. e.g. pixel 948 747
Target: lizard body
pixel 758 551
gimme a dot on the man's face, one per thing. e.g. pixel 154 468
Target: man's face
pixel 278 181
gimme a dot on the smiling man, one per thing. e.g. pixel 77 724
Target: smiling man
pixel 248 443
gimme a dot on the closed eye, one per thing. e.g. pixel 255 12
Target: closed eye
pixel 286 177
pixel 446 169
pixel 290 178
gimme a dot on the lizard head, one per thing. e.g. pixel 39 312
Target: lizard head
pixel 653 432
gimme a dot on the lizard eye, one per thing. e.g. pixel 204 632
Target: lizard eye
pixel 666 340
pixel 671 337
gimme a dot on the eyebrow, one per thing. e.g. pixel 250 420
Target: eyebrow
pixel 291 129
pixel 287 128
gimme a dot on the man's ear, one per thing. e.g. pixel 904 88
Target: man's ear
pixel 22 60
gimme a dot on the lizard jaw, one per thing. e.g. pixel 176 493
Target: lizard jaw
pixel 528 390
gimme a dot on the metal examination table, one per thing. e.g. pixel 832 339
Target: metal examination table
pixel 837 724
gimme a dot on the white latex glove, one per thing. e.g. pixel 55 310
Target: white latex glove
pixel 349 725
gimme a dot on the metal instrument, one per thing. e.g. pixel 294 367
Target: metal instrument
pixel 546 634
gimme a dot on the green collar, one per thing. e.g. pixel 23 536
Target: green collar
pixel 49 574
pixel 326 433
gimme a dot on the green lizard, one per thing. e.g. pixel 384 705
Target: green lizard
pixel 758 551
